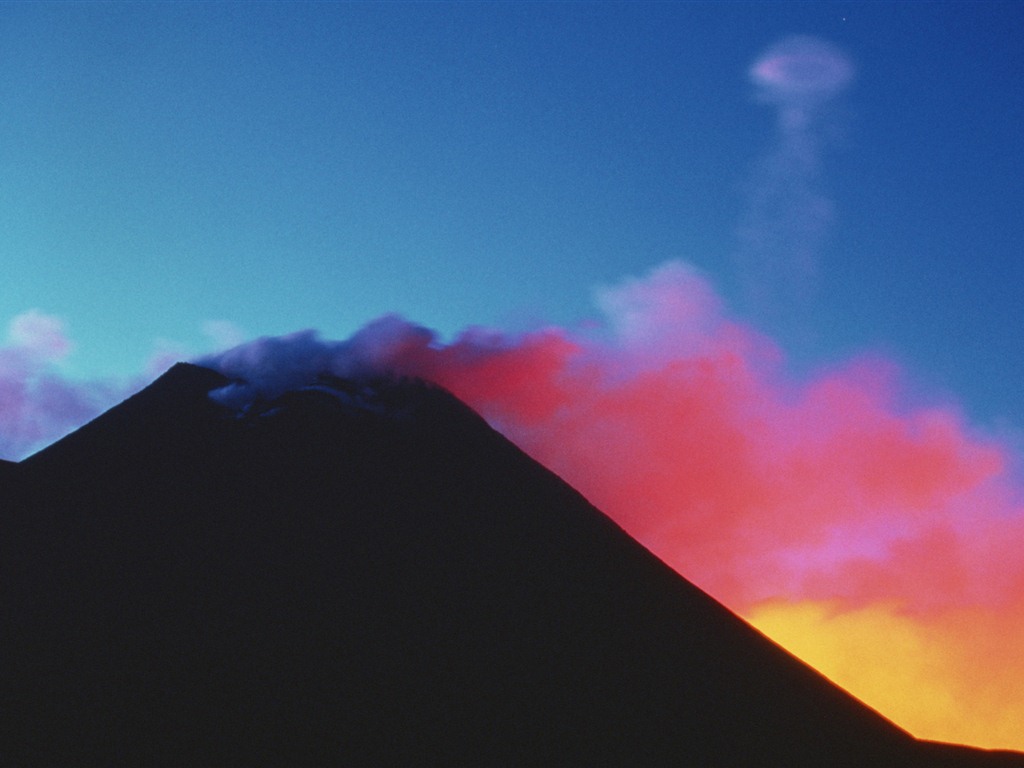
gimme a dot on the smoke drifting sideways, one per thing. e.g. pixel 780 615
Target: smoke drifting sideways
pixel 787 216
pixel 877 537
pixel 880 539
pixel 681 424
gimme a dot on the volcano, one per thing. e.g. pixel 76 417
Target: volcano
pixel 365 573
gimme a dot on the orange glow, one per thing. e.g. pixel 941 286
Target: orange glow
pixel 956 677
pixel 879 538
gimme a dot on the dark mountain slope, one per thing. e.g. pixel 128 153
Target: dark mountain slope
pixel 370 575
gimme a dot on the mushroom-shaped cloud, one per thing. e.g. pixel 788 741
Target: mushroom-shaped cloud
pixel 801 70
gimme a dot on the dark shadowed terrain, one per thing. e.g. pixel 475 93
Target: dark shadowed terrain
pixel 367 574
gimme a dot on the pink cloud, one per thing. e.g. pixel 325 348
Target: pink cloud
pixel 38 403
pixel 832 502
pixel 681 425
pixel 39 336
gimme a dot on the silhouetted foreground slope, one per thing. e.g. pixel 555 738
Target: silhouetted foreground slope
pixel 370 578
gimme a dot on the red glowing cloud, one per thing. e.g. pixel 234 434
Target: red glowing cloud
pixel 684 430
pixel 777 497
pixel 879 540
pixel 680 423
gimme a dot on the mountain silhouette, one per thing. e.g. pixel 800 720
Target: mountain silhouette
pixel 365 573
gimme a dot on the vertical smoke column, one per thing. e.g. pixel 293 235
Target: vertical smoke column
pixel 787 215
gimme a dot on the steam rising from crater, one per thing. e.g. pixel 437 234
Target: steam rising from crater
pixel 878 538
pixel 798 74
pixel 788 215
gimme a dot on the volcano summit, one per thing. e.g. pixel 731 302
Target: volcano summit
pixel 365 573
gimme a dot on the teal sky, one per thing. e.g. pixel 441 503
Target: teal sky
pixel 290 165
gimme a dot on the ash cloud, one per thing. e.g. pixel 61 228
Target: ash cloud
pixel 788 213
pixel 829 502
pixel 681 423
pixel 822 508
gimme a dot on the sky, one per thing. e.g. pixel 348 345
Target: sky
pixel 746 274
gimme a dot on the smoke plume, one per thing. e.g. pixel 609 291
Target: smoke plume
pixel 867 533
pixel 787 213
pixel 876 537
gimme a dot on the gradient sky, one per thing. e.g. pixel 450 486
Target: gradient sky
pixel 772 247
pixel 283 166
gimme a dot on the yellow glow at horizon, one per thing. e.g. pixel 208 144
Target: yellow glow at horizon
pixel 925 677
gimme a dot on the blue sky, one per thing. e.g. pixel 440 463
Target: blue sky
pixel 283 166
